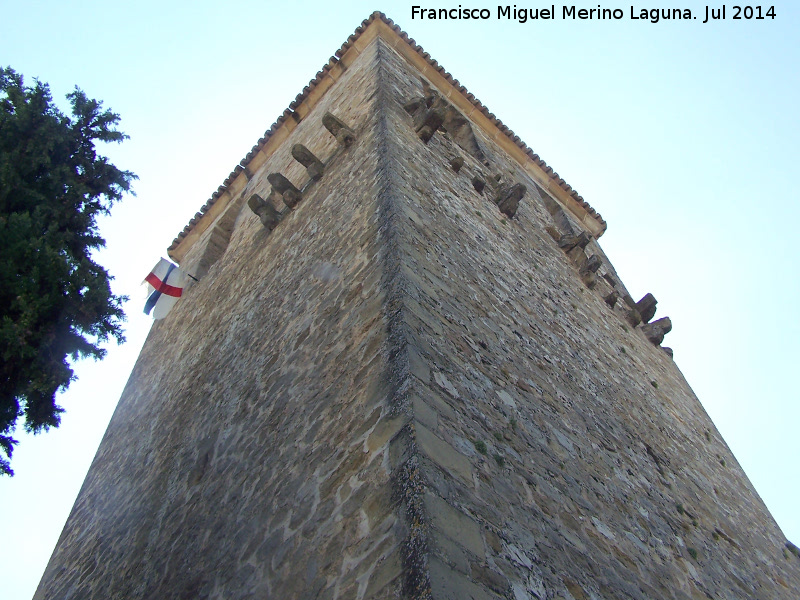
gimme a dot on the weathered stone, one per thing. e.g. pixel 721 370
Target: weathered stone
pixel 612 298
pixel 508 199
pixel 269 216
pixel 478 183
pixel 668 351
pixel 425 413
pixel 455 525
pixel 414 106
pixel 568 242
pixel 343 134
pixel 447 584
pixel 491 579
pixel 593 264
pixel 647 307
pixel 428 123
pixel 633 317
pixel 305 157
pixel 656 330
pixel 589 279
pixel 386 572
pixel 443 454
pixel 291 195
pixel 457 163
pixel 417 365
pixel 578 257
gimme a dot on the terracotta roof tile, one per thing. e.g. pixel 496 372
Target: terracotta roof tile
pixel 323 72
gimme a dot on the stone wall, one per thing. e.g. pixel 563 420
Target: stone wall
pixel 248 455
pixel 398 390
pixel 561 453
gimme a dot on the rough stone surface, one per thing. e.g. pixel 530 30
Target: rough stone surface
pixel 656 330
pixel 647 307
pixel 398 392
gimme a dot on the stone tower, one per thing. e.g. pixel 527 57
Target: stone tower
pixel 409 371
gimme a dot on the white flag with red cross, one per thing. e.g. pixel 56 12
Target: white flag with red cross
pixel 165 284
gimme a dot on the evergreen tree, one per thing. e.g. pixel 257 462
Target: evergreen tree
pixel 56 304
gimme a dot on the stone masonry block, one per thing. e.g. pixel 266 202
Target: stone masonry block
pixel 647 307
pixel 424 413
pixel 455 525
pixel 417 365
pixel 305 157
pixel 656 330
pixel 443 454
pixel 343 134
pixel 384 431
pixel 447 584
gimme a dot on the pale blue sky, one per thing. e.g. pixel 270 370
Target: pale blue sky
pixel 683 136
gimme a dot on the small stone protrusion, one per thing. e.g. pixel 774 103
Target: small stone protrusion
pixel 633 317
pixel 457 163
pixel 668 351
pixel 291 195
pixel 414 105
pixel 647 307
pixel 568 242
pixel 610 279
pixel 428 123
pixel 554 233
pixel 478 184
pixel 305 157
pixel 343 134
pixel 508 199
pixel 269 216
pixel 578 257
pixel 589 279
pixel 656 330
pixel 594 263
pixel 611 299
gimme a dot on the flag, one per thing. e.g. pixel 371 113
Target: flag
pixel 165 283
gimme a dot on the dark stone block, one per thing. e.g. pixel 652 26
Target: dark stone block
pixel 656 330
pixel 291 195
pixel 343 134
pixel 647 307
pixel 305 157
pixel 568 242
pixel 508 199
pixel 269 216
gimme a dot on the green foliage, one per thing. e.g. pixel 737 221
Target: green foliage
pixel 56 303
pixel 480 446
pixel 499 459
pixel 692 553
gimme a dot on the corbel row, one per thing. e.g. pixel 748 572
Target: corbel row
pixel 611 290
pixel 285 190
pixel 430 114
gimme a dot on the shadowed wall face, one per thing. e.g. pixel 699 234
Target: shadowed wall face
pixel 563 452
pixel 399 390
